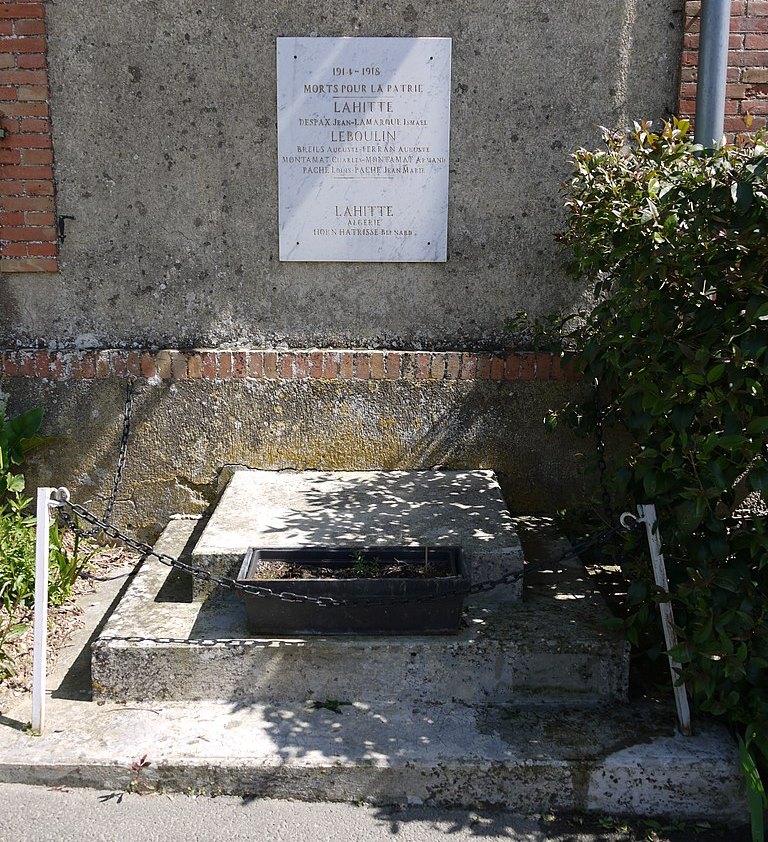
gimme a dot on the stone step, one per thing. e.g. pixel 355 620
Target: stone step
pixel 551 647
pixel 615 759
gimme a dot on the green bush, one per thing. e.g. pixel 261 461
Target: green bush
pixel 18 436
pixel 17 559
pixel 674 241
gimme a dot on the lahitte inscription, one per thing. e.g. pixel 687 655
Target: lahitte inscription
pixel 363 140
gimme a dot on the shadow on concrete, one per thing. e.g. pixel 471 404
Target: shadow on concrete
pixel 178 585
pixel 358 509
pixel 380 747
pixel 16 724
pixel 431 505
pixel 76 684
pixel 563 827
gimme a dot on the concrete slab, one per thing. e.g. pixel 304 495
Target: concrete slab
pixel 551 647
pixel 363 508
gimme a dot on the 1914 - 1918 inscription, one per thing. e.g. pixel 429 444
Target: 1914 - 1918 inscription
pixel 363 137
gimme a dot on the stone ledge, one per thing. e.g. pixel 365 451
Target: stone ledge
pixel 550 649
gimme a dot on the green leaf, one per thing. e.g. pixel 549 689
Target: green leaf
pixel 25 426
pixel 744 196
pixel 689 515
pixel 681 416
pixel 650 484
pixel 715 373
pixel 16 630
pixel 732 441
pixel 758 476
pixel 756 798
pixel 757 426
pixel 15 483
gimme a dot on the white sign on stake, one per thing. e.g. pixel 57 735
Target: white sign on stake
pixel 363 129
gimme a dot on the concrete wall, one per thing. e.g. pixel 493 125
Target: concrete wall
pixel 184 431
pixel 165 151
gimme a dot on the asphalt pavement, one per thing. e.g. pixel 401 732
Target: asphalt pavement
pixel 39 814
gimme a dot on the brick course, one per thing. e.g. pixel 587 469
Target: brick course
pixel 746 107
pixel 28 243
pixel 198 364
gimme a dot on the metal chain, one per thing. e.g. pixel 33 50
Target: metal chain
pixel 118 478
pixel 233 584
pixel 147 551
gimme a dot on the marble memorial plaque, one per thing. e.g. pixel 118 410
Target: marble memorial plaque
pixel 363 135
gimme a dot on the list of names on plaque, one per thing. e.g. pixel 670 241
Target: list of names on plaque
pixel 363 137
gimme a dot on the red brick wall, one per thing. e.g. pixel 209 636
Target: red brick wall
pixel 747 91
pixel 28 237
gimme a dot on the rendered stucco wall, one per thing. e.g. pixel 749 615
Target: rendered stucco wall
pixel 165 150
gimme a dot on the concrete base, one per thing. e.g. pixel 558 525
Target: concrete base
pixel 362 508
pixel 612 758
pixel 551 647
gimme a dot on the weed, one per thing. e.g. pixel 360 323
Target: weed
pixel 18 436
pixel 138 784
pixel 366 566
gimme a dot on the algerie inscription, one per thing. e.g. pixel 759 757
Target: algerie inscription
pixel 363 141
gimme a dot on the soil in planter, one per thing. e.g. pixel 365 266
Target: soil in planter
pixel 350 563
pixel 365 569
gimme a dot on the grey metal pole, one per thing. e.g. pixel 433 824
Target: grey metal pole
pixel 713 71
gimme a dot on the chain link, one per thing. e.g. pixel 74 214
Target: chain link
pixel 118 478
pixel 147 551
pixel 70 512
pixel 256 590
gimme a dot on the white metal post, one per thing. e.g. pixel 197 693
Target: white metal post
pixel 648 517
pixel 40 650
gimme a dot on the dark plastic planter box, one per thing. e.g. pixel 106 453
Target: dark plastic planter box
pixel 376 605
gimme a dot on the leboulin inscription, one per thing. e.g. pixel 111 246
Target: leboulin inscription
pixel 363 145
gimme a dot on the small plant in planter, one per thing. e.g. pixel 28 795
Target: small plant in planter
pixel 367 566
